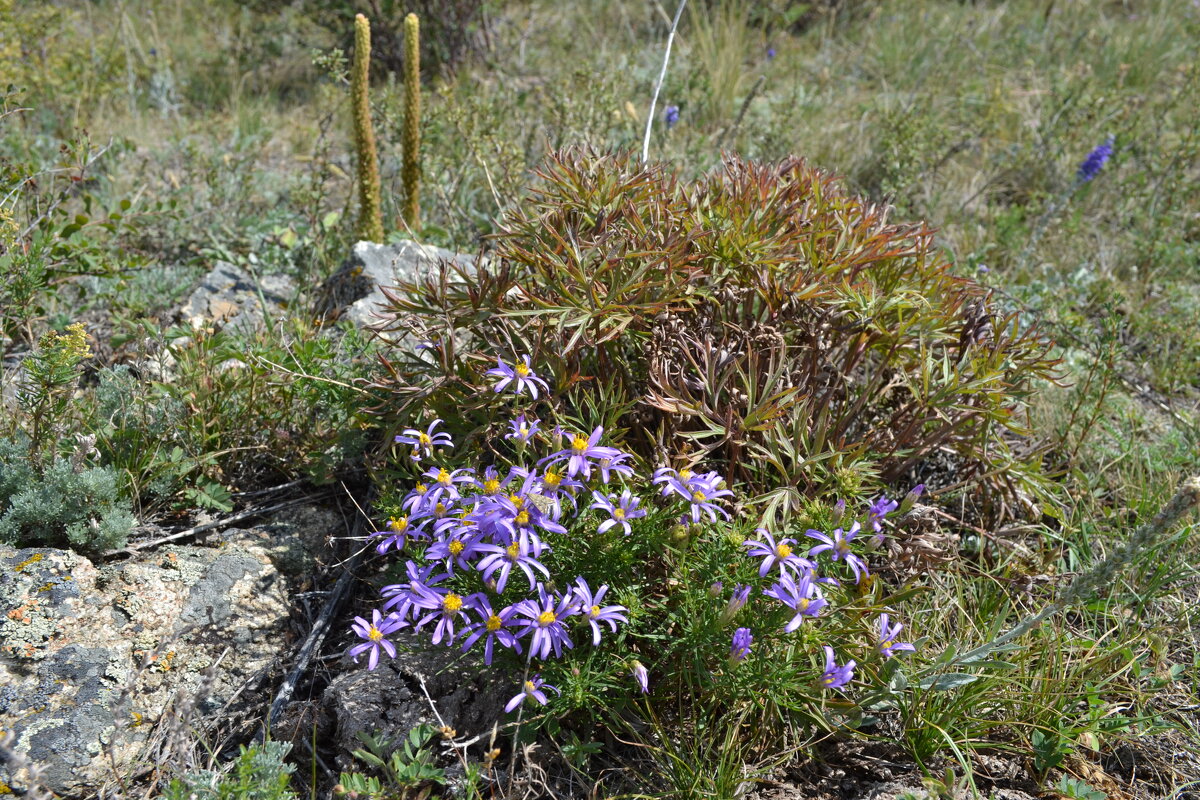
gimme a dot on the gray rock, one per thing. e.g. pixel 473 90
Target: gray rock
pixel 230 296
pixel 353 292
pixel 94 658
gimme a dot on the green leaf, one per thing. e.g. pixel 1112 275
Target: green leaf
pixel 944 683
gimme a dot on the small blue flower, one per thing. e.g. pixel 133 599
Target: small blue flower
pixel 671 116
pixel 770 53
pixel 740 648
pixel 836 676
pixel 1095 161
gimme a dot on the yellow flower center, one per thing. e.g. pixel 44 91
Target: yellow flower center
pixel 375 635
pixel 513 551
pixel 529 687
pixel 398 525
pixel 828 680
pixel 618 513
pixel 423 438
pixel 451 603
pixel 843 548
pixel 523 518
pixel 552 479
pixel 887 644
pixel 521 370
pixel 493 623
pixel 698 497
pixel 684 474
pixel 422 488
pixel 439 510
pixel 802 605
pixel 546 618
pixel 491 486
pixel 579 444
pixel 783 550
pixel 594 612
pixel 456 547
pixel 516 500
pixel 443 477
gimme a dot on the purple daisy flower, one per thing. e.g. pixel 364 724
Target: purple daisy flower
pixel 544 620
pixel 839 549
pixel 773 553
pixel 801 596
pixel 702 498
pixel 442 605
pixel 396 535
pixel 400 595
pixel 441 484
pixel 835 677
pixel 522 430
pixel 492 627
pixel 520 375
pixel 739 650
pixel 456 548
pixel 423 443
pixel 879 509
pixel 523 553
pixel 532 688
pixel 618 465
pixel 582 452
pixel 888 645
pixel 375 632
pixel 620 510
pixel 591 610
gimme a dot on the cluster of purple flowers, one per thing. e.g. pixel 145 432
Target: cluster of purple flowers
pixel 491 530
pixel 798 586
pixel 493 525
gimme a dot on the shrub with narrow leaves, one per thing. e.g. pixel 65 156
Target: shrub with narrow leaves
pixel 761 318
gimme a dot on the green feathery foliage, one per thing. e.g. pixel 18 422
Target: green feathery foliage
pixel 412 122
pixel 370 217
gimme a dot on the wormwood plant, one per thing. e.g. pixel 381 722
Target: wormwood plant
pixel 772 325
pixel 46 498
pixel 370 215
pixel 259 773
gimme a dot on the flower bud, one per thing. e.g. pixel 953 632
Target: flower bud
pixel 741 593
pixel 909 499
pixel 839 511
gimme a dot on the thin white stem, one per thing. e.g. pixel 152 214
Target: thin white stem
pixel 661 77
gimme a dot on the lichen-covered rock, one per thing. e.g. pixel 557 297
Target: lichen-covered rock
pixel 353 292
pixel 229 296
pixel 91 657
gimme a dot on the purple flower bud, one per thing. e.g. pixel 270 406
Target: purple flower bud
pixel 741 593
pixel 770 53
pixel 909 499
pixel 839 510
pixel 641 676
pixel 716 589
pixel 740 649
